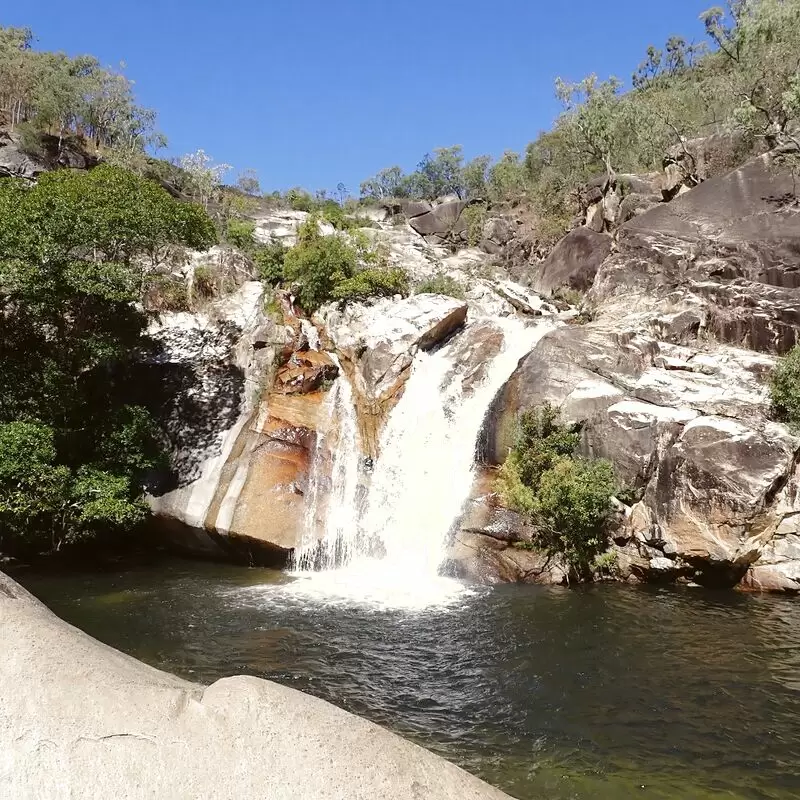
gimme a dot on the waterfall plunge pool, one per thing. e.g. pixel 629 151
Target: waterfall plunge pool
pixel 596 692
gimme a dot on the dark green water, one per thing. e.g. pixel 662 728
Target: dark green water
pixel 603 692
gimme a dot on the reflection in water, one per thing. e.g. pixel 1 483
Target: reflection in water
pixel 606 692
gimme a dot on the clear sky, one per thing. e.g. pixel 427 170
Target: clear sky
pixel 311 92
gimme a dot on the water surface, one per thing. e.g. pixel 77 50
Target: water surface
pixel 599 692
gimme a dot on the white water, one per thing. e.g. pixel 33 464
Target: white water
pixel 332 506
pixel 388 548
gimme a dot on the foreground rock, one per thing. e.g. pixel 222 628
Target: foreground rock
pixel 79 719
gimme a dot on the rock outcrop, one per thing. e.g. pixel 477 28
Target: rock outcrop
pixel 17 161
pixel 377 344
pixel 669 381
pixel 79 719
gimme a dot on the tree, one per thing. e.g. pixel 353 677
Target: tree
pixel 248 182
pixel 475 175
pixel 507 178
pixel 567 498
pixel 441 174
pixel 74 252
pixel 205 176
pixel 387 183
pixel 762 42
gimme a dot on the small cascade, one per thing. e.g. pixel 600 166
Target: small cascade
pixel 331 523
pixel 392 541
pixel 311 333
pixel 426 466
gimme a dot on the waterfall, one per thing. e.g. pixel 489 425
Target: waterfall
pixel 331 521
pixel 427 462
pixel 394 539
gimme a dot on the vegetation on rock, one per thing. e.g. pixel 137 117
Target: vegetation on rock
pixel 338 267
pixel 76 253
pixel 566 497
pixel 745 84
pixel 785 389
pixel 440 284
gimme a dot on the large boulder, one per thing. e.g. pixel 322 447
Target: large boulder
pixel 709 484
pixel 731 244
pixel 443 221
pixel 80 719
pixel 574 262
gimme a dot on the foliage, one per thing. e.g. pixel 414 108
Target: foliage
pixel 317 264
pixel 441 284
pixel 205 177
pixel 269 259
pixel 248 183
pixel 567 498
pixel 475 177
pixel 61 95
pixel 343 266
pixel 475 217
pixel 76 254
pixel 785 389
pixel 239 233
pixel 203 281
pixel 372 282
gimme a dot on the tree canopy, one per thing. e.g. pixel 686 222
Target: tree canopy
pixel 75 250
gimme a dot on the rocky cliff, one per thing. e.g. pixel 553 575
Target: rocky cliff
pixel 690 302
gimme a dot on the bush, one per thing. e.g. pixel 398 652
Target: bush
pixel 475 217
pixel 300 200
pixel 377 282
pixel 167 293
pixel 269 259
pixel 317 264
pixel 567 498
pixel 785 389
pixel 239 233
pixel 441 284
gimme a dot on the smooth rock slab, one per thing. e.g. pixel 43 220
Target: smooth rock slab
pixel 79 719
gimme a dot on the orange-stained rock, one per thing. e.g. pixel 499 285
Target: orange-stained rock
pixel 306 371
pixel 270 505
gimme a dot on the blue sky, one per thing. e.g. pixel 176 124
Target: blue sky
pixel 310 92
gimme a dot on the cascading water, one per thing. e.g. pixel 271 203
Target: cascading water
pixel 390 546
pixel 331 522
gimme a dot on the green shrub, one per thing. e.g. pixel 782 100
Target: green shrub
pixel 441 284
pixel 785 389
pixel 374 282
pixel 239 232
pixel 572 297
pixel 299 200
pixel 573 503
pixel 317 264
pixel 269 259
pixel 475 217
pixel 167 293
pixel 566 498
